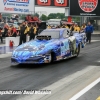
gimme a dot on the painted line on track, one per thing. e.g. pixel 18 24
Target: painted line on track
pixel 75 97
pixel 98 98
pixel 54 87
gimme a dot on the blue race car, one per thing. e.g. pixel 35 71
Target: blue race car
pixel 50 45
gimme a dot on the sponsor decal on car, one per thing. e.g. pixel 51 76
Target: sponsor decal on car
pixel 64 47
pixel 58 57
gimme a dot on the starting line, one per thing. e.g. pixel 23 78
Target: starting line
pixel 75 97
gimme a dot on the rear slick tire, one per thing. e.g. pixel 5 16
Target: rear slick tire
pixel 51 57
pixel 78 51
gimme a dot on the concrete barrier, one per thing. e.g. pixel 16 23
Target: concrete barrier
pixel 15 41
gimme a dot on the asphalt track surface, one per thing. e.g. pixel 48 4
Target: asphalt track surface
pixel 92 94
pixel 31 77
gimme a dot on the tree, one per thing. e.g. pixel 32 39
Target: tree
pixel 52 16
pixel 56 16
pixel 36 14
pixel 62 15
pixel 6 14
pixel 77 18
pixel 43 17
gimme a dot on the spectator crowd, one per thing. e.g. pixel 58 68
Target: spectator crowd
pixel 74 27
pixel 30 27
pixel 23 30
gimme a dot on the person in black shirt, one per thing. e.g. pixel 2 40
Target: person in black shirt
pixel 23 32
pixel 6 28
pixel 32 35
pixel 63 26
pixel 72 27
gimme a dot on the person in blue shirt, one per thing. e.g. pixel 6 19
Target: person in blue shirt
pixel 89 31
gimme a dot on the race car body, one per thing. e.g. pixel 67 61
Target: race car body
pixel 50 45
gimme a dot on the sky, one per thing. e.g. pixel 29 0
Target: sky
pixel 47 10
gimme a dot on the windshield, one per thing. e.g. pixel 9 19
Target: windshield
pixel 53 34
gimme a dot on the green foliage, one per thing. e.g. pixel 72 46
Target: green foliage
pixel 56 16
pixel 52 16
pixel 8 15
pixel 59 16
pixel 43 17
pixel 76 19
pixel 36 14
pixel 22 17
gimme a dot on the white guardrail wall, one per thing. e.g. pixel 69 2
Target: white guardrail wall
pixel 15 41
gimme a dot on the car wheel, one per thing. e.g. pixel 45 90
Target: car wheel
pixel 78 51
